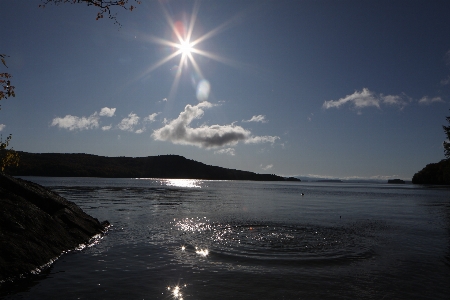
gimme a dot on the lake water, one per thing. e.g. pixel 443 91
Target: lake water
pixel 193 239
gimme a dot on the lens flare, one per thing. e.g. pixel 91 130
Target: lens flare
pixel 203 89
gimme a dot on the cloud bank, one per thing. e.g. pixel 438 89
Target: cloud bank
pixel 179 131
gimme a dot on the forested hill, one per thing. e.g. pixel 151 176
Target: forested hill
pixel 163 166
pixel 436 173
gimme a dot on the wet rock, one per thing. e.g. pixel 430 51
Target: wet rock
pixel 37 225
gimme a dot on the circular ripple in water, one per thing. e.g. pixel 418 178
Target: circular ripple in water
pixel 279 243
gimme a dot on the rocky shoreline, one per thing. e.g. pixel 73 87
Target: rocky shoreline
pixel 37 226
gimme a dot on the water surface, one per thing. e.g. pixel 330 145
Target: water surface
pixel 191 239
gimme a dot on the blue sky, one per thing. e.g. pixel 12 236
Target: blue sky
pixel 329 88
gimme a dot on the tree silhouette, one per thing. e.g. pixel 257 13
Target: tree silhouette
pixel 447 142
pixel 104 6
pixel 8 157
pixel 7 90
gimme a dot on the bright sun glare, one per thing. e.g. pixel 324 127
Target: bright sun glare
pixel 186 47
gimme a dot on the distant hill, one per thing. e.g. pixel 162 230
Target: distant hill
pixel 162 166
pixel 436 173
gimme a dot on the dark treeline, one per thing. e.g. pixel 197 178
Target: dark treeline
pixel 436 173
pixel 163 166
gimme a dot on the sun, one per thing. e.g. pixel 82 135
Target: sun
pixel 185 47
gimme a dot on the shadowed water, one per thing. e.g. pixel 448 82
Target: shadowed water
pixel 190 239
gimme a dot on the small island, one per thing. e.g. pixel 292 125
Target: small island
pixel 396 181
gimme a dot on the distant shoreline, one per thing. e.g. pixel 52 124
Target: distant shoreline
pixel 162 166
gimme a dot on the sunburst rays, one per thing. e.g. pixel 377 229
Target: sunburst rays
pixel 186 48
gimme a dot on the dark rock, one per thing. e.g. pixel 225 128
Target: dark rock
pixel 37 225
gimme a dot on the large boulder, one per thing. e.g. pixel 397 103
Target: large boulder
pixel 37 225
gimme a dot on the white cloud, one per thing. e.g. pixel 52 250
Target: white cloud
pixel 229 151
pixel 2 126
pixel 127 124
pixel 178 131
pixel 362 99
pixel 427 100
pixel 261 139
pixel 104 128
pixel 393 100
pixel 139 131
pixel 107 112
pixel 165 99
pixel 258 118
pixel 73 122
pixel 151 118
pixel 367 98
pixel 268 167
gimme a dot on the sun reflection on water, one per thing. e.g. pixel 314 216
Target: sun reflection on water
pixel 193 224
pixel 202 252
pixel 175 291
pixel 185 183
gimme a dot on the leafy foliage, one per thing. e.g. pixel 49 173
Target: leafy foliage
pixel 104 6
pixel 6 90
pixel 447 142
pixel 8 157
